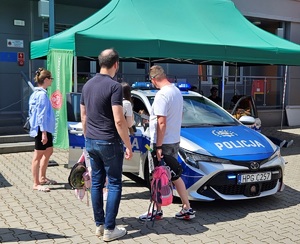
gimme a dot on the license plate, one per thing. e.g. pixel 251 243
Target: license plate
pixel 255 177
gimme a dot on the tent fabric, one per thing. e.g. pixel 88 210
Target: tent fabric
pixel 195 30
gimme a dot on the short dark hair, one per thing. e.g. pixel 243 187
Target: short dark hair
pixel 108 58
pixel 213 89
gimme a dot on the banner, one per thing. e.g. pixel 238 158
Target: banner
pixel 59 63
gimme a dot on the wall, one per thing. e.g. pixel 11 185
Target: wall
pixel 283 10
pixel 272 117
pixel 11 84
pixel 293 87
pixel 286 10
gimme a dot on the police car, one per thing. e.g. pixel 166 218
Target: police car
pixel 221 157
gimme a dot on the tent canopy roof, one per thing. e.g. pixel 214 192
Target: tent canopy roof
pixel 190 30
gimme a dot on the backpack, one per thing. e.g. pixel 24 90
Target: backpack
pixel 161 186
pixel 75 178
pixel 80 177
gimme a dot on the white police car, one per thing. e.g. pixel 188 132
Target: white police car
pixel 221 158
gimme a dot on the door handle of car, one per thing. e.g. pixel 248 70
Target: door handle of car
pixel 76 132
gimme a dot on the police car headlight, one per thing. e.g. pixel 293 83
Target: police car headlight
pixel 276 154
pixel 192 158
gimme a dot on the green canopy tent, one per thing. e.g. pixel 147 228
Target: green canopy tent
pixel 191 30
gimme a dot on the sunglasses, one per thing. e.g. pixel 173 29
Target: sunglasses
pixel 152 77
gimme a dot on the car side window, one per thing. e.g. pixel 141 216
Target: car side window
pixel 141 114
pixel 138 105
pixel 244 106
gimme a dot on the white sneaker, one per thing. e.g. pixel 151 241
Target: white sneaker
pixel 158 215
pixel 99 230
pixel 185 214
pixel 110 235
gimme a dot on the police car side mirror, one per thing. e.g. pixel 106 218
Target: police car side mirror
pixel 247 120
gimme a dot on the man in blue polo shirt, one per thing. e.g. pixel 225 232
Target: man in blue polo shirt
pixel 105 130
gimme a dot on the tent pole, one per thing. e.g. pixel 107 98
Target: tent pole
pixel 150 64
pixel 235 78
pixel 223 83
pixel 75 73
pixel 283 95
pixel 51 18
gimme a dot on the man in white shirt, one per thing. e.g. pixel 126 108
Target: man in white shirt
pixel 165 125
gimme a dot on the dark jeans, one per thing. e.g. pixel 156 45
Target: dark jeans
pixel 106 158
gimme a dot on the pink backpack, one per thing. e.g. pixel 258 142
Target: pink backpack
pixel 161 186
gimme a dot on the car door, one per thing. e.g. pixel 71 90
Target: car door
pixel 139 139
pixel 244 105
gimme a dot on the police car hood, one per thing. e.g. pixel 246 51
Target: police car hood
pixel 227 142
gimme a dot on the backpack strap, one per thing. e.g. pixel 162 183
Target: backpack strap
pixel 153 217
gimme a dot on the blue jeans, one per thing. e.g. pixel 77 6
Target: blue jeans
pixel 106 158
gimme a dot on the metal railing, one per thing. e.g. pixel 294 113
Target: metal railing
pixel 27 89
pixel 266 90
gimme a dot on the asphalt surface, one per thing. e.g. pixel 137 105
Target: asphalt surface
pixel 28 216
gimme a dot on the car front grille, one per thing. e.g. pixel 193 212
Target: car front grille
pixel 240 189
pixel 222 184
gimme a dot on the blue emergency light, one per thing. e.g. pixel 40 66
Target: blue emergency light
pixel 183 86
pixel 142 85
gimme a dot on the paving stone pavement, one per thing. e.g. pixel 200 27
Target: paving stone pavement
pixel 28 216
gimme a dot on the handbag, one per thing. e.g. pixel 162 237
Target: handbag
pixel 26 126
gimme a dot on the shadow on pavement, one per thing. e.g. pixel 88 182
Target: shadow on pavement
pixel 4 182
pixel 222 211
pixel 16 235
pixel 134 182
pixel 286 133
pixel 169 225
pixel 139 195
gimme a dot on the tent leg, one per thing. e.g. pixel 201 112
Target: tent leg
pixel 51 18
pixel 75 74
pixel 283 95
pixel 235 79
pixel 223 83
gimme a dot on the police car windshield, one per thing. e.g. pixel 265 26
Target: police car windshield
pixel 200 111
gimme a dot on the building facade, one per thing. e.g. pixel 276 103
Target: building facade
pixel 23 21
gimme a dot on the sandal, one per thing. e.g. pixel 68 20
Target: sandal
pixel 48 182
pixel 42 188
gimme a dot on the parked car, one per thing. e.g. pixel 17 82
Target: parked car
pixel 221 157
